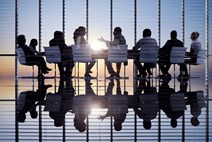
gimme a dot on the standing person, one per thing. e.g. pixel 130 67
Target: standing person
pixel 80 40
pixel 59 40
pixel 146 40
pixel 195 47
pixel 118 39
pixel 31 56
pixel 164 55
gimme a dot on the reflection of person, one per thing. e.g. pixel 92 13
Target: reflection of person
pixel 31 56
pixel 80 40
pixel 148 102
pixel 196 100
pixel 146 40
pixel 62 102
pixel 28 101
pixel 169 102
pixel 117 105
pixel 81 108
pixel 59 40
pixel 164 56
pixel 195 47
pixel 118 39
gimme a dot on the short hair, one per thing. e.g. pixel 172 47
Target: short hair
pixel 58 34
pixel 34 42
pixel 195 34
pixel 147 33
pixel 173 34
pixel 21 39
pixel 117 30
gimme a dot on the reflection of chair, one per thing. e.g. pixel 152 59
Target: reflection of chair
pixel 22 59
pixel 177 101
pixel 53 102
pixel 118 104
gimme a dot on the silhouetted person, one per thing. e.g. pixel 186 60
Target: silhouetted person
pixel 117 105
pixel 31 56
pixel 164 56
pixel 82 105
pixel 146 40
pixel 148 103
pixel 80 40
pixel 195 47
pixel 32 46
pixel 62 102
pixel 66 52
pixel 169 102
pixel 76 34
pixel 29 100
pixel 196 100
pixel 118 39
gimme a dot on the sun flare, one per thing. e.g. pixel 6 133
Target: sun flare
pixel 97 45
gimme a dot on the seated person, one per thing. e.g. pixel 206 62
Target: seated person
pixel 164 56
pixel 80 40
pixel 31 56
pixel 146 40
pixel 32 46
pixel 195 47
pixel 117 40
pixel 59 40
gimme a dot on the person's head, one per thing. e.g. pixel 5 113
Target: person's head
pixel 117 31
pixel 82 30
pixel 76 33
pixel 21 40
pixel 194 35
pixel 173 123
pixel 173 34
pixel 147 33
pixel 58 35
pixel 194 121
pixel 117 125
pixel 33 42
pixel 80 126
pixel 33 114
pixel 147 124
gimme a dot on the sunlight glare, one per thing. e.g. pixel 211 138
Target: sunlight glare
pixel 97 45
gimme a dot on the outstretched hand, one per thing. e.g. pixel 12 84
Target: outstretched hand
pixel 102 117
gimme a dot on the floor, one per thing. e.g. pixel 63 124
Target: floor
pixel 104 109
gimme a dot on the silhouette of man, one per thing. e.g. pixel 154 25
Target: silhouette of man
pixel 146 40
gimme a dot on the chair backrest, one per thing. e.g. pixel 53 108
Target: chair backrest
pixel 148 54
pixel 117 53
pixel 21 56
pixel 201 57
pixel 53 54
pixel 82 53
pixel 177 55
